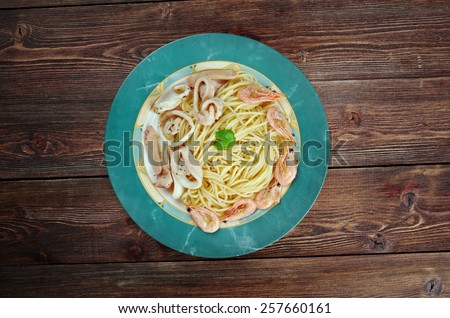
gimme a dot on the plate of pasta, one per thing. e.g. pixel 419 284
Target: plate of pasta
pixel 217 151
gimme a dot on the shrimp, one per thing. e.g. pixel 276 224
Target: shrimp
pixel 240 210
pixel 285 169
pixel 269 196
pixel 255 94
pixel 278 121
pixel 206 220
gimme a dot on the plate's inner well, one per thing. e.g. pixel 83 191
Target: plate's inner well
pixel 146 117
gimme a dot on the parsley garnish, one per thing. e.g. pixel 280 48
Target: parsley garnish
pixel 225 139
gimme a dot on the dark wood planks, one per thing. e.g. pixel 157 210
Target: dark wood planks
pixel 376 122
pixel 61 67
pixel 402 275
pixel 352 40
pixel 382 71
pixel 388 122
pixel 375 210
pixel 6 4
pixel 52 140
pixel 359 211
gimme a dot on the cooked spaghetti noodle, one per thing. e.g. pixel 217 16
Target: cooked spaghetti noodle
pixel 244 170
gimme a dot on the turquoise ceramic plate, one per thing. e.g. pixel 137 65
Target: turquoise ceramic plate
pixel 150 209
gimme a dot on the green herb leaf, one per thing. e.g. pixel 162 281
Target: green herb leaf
pixel 225 139
pixel 218 145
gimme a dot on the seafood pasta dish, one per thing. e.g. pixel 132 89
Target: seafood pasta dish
pixel 222 145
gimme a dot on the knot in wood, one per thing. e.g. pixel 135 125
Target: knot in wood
pixel 135 251
pixel 22 213
pixel 43 257
pixel 433 287
pixel 378 243
pixel 165 10
pixel 39 142
pixel 22 32
pixel 355 118
pixel 303 56
pixel 407 201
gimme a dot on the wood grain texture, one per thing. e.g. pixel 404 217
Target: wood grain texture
pixel 52 140
pixel 378 122
pixel 388 122
pixel 403 275
pixel 99 45
pixel 21 4
pixel 382 71
pixel 61 67
pixel 359 211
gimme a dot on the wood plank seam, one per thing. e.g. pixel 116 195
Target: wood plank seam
pixel 17 5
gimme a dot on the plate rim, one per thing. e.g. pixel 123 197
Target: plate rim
pixel 136 217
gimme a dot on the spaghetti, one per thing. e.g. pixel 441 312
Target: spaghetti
pixel 227 180
pixel 220 183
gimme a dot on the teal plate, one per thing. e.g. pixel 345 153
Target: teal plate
pixel 120 149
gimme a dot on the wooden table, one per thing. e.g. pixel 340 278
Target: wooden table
pixel 381 225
